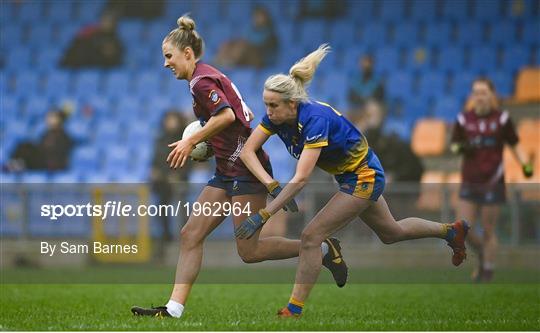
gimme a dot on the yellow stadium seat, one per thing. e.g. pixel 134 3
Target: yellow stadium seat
pixel 429 137
pixel 528 85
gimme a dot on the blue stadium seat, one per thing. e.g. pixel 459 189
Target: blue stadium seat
pixel 17 129
pixel 438 34
pixel 531 32
pixel 462 84
pixel 398 126
pixel 107 133
pixel 100 104
pixel 147 83
pixel 456 9
pixel 243 79
pixel 19 57
pixel 387 59
pixel 487 10
pixel 87 82
pixel 422 10
pixel 399 85
pixel 10 105
pixel 432 85
pixel 406 34
pixel 515 57
pixel 89 11
pixel 31 11
pixel 447 108
pixel 361 10
pixel 312 33
pixel 35 177
pixel 37 105
pixel 342 34
pixel 237 8
pixel 130 31
pixel 415 108
pixel 391 10
pixel 504 83
pixel 470 33
pixel 419 59
pixel 128 105
pixel 483 59
pixel 79 130
pixel 118 157
pixel 374 35
pixel 60 11
pixel 66 177
pixel 117 83
pixel 27 82
pixel 48 58
pixel 40 35
pixel 503 33
pixel 57 83
pixel 12 35
pixel 520 8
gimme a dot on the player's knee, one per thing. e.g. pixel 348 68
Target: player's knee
pixel 310 239
pixel 190 237
pixel 388 238
pixel 248 256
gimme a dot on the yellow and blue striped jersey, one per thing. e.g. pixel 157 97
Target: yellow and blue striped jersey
pixel 343 146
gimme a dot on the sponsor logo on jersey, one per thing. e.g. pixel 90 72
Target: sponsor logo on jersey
pixel 214 97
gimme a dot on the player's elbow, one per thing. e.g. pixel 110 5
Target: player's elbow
pixel 228 116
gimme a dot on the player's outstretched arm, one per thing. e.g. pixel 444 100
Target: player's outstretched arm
pixel 304 168
pixel 182 148
pixel 255 141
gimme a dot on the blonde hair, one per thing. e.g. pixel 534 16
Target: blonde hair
pixel 292 87
pixel 186 36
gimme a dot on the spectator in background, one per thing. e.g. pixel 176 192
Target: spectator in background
pixel 51 153
pixel 393 151
pixel 258 48
pixel 364 85
pixel 164 179
pixel 95 46
pixel 55 145
pixel 321 9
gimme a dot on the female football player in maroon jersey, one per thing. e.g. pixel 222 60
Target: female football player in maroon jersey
pixel 480 134
pixel 225 118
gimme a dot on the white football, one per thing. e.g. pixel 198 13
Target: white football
pixel 202 150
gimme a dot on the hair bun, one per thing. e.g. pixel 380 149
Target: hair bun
pixel 186 23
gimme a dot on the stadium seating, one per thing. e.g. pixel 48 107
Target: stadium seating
pixel 528 86
pixel 429 137
pixel 428 53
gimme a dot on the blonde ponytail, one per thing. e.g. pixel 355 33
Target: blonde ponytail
pixel 293 86
pixel 304 69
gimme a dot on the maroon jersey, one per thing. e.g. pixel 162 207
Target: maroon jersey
pixel 484 138
pixel 212 91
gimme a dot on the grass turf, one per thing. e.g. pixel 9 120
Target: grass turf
pixel 383 306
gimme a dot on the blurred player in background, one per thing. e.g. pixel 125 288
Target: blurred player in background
pixel 317 134
pixel 220 108
pixel 480 134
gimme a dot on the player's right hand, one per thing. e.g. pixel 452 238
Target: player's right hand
pixel 528 170
pixel 249 226
pixel 274 189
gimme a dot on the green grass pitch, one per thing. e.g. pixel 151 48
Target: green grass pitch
pixel 252 307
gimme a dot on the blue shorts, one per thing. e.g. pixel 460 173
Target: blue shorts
pixel 483 195
pixel 366 182
pixel 234 186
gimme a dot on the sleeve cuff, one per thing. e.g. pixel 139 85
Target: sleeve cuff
pixel 265 130
pixel 316 145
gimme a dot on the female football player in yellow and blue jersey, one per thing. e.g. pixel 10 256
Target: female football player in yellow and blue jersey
pixel 318 135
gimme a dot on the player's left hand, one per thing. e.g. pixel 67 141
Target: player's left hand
pixel 249 226
pixel 528 170
pixel 180 153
